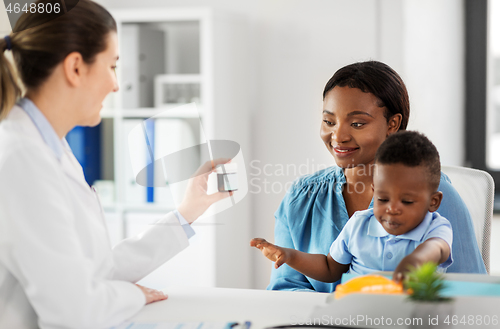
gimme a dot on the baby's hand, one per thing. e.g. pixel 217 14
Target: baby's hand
pixel 404 266
pixel 276 254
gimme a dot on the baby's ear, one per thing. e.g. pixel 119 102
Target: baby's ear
pixel 436 199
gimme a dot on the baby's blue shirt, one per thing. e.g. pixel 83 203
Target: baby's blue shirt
pixel 367 246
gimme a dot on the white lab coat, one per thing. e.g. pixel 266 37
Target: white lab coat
pixel 57 268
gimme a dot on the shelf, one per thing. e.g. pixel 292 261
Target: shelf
pixel 148 208
pixel 174 48
pixel 160 14
pixel 164 112
pixel 169 87
pixel 179 78
pixel 169 111
pixel 107 113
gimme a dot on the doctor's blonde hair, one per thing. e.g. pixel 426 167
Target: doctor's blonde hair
pixel 43 42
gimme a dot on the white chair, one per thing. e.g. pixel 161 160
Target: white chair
pixel 476 188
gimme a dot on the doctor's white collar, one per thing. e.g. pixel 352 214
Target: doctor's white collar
pixel 44 127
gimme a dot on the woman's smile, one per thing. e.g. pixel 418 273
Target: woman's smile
pixel 342 151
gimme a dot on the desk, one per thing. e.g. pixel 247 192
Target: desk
pixel 269 308
pixel 263 308
pixel 467 310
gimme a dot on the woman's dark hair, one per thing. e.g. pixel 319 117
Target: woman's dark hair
pixel 378 79
pixel 42 43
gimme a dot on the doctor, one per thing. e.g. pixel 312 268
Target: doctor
pixel 57 268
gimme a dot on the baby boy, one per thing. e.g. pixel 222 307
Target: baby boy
pixel 402 230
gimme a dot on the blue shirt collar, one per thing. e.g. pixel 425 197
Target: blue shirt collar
pixel 376 229
pixel 44 127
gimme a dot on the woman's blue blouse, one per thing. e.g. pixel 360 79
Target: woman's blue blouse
pixel 313 213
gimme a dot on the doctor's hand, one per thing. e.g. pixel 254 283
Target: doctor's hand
pixel 196 200
pixel 152 295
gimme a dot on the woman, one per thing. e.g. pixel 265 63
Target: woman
pixel 363 103
pixel 57 269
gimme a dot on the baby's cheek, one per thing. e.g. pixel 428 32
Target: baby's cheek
pixel 378 210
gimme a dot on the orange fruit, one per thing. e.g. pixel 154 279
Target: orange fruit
pixel 368 284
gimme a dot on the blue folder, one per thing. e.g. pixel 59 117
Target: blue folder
pixel 85 142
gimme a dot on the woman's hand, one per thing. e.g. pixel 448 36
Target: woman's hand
pixel 196 200
pixel 152 295
pixel 272 252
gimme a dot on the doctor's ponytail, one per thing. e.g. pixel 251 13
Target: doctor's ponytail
pixel 10 90
pixel 40 43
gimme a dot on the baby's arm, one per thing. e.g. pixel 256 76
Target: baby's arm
pixel 434 250
pixel 316 266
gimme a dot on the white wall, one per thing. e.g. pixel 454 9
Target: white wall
pixel 423 40
pixel 4 22
pixel 434 73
